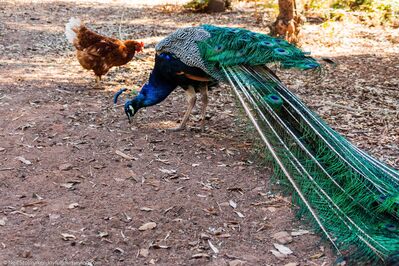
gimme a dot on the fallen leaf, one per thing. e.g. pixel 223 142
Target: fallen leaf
pixel 239 214
pixel 123 155
pixel 148 226
pixel 168 172
pixel 224 236
pixel 146 209
pixel 67 185
pixel 232 204
pixel 119 250
pixel 283 249
pixel 23 160
pixel 73 205
pixel 103 234
pixel 200 255
pixel 156 246
pixel 214 249
pixel 300 232
pixel 205 236
pixel 68 237
pixel 278 254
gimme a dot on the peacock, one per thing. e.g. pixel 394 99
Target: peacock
pixel 351 198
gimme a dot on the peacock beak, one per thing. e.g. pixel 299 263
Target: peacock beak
pixel 129 112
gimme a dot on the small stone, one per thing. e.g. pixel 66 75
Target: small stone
pixel 283 237
pixel 278 254
pixel 3 221
pixel 292 264
pixel 271 209
pixel 26 254
pixel 65 167
pixel 144 252
pixel 236 263
pixel 148 226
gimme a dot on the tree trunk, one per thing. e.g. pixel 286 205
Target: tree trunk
pixel 287 24
pixel 217 6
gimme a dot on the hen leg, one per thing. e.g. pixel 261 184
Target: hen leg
pixel 204 99
pixel 98 78
pixel 191 99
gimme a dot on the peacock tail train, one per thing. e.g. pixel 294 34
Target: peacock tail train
pixel 351 197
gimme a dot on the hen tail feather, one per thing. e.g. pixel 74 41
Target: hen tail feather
pixel 71 27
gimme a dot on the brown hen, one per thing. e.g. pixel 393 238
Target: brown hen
pixel 97 52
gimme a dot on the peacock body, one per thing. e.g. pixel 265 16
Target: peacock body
pixel 351 197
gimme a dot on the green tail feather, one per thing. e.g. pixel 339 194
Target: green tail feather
pixel 235 46
pixel 350 196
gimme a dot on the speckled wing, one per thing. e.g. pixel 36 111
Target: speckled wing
pixel 183 44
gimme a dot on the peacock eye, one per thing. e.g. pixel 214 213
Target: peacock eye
pixel 382 198
pixel 218 48
pixel 267 43
pixel 390 227
pixel 240 52
pixel 281 51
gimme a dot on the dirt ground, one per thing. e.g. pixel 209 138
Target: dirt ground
pixel 77 182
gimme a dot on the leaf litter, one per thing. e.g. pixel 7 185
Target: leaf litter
pixel 81 128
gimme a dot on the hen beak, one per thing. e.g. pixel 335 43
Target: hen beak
pixel 140 47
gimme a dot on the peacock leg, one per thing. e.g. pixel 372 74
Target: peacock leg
pixel 204 99
pixel 191 99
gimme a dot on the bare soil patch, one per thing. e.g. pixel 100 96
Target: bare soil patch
pixel 67 192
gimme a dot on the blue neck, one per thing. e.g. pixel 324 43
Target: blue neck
pixel 155 90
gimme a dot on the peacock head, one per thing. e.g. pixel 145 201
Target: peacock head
pixel 132 106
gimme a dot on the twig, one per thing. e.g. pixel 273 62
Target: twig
pixel 6 169
pixel 34 203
